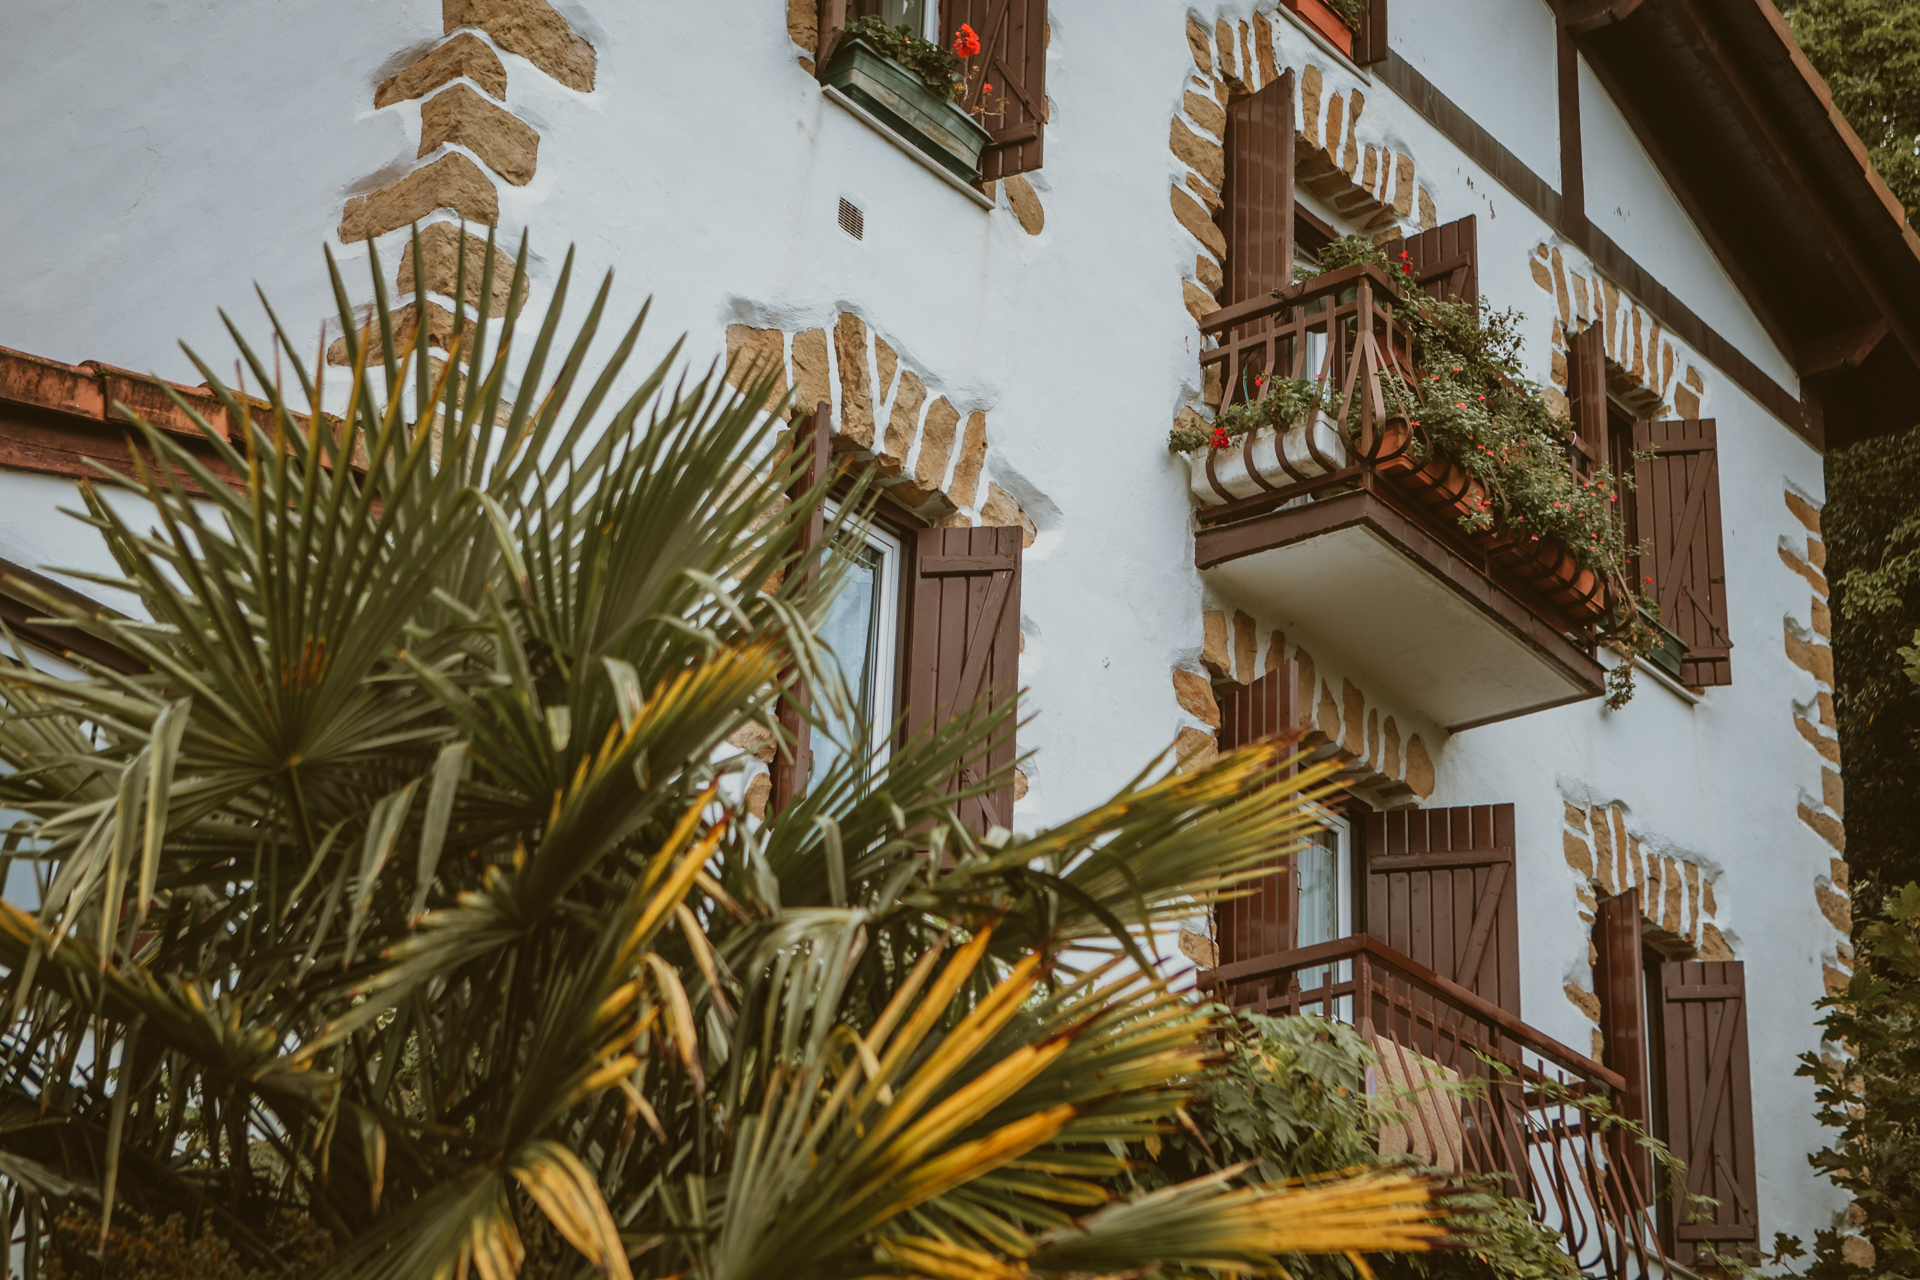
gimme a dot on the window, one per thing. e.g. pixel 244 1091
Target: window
pixel 916 14
pixel 926 627
pixel 1324 910
pixel 861 629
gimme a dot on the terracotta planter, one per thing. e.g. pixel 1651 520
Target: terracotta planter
pixel 1326 20
pixel 1445 485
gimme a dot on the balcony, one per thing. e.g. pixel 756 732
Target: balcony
pixel 1340 526
pixel 1521 1122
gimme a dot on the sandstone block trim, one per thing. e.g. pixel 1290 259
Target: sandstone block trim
pixel 1648 373
pixel 930 453
pixel 464 55
pixel 1345 725
pixel 1610 855
pixel 453 182
pixel 440 246
pixel 508 145
pixel 1823 811
pixel 1368 181
pixel 533 29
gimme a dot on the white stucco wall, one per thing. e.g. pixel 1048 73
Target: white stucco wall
pixel 216 146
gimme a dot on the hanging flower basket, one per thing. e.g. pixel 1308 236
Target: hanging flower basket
pixel 902 101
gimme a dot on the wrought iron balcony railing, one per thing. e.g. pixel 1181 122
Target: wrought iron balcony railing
pixel 1516 1110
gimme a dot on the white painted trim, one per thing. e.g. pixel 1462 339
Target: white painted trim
pixel 922 158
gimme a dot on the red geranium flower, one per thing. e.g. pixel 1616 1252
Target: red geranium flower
pixel 1220 440
pixel 965 43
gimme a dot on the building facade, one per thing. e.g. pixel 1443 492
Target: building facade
pixel 1708 278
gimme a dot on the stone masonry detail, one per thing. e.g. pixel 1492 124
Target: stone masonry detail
pixel 1344 725
pixel 1368 182
pixel 469 140
pixel 1645 371
pixel 1611 854
pixel 1804 553
pixel 930 456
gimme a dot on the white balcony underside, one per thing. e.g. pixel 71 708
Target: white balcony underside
pixel 1445 645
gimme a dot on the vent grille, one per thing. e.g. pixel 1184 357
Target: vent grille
pixel 852 221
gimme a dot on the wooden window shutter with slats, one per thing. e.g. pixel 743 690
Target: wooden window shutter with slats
pixel 1257 212
pixel 1013 59
pixel 1370 35
pixel 1587 393
pixel 1445 260
pixel 1261 924
pixel 964 647
pixel 1709 1105
pixel 1440 890
pixel 1619 983
pixel 791 767
pixel 1676 476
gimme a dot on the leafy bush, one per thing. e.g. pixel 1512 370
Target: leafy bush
pixel 1290 1096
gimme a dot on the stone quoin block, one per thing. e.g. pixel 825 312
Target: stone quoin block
pixel 451 182
pixel 533 29
pixel 936 444
pixel 973 455
pixel 755 353
pixel 1194 693
pixel 464 55
pixel 440 245
pixel 856 388
pixel 508 145
pixel 1025 203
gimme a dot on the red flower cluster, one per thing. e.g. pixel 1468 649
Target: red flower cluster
pixel 965 42
pixel 1220 440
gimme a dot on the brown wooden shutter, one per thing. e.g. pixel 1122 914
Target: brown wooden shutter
pixel 1440 890
pixel 1709 1104
pixel 1445 260
pixel 790 771
pixel 1370 36
pixel 1677 499
pixel 1013 59
pixel 964 646
pixel 1262 923
pixel 1587 392
pixel 1619 983
pixel 1257 214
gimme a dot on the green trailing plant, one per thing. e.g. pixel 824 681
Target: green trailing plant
pixel 939 69
pixel 1290 1097
pixel 411 890
pixel 1473 406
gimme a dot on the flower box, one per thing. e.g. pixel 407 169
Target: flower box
pixel 1325 19
pixel 902 101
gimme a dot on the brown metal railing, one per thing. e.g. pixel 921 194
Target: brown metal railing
pixel 1518 1120
pixel 1341 330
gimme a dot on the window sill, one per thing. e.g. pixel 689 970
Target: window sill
pixel 1332 50
pixel 1661 678
pixel 913 152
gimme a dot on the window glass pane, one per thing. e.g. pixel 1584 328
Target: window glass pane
pixel 910 13
pixel 1317 868
pixel 852 632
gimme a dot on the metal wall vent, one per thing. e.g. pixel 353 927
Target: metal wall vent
pixel 852 221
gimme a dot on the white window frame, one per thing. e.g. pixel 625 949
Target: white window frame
pixel 1342 971
pixel 886 642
